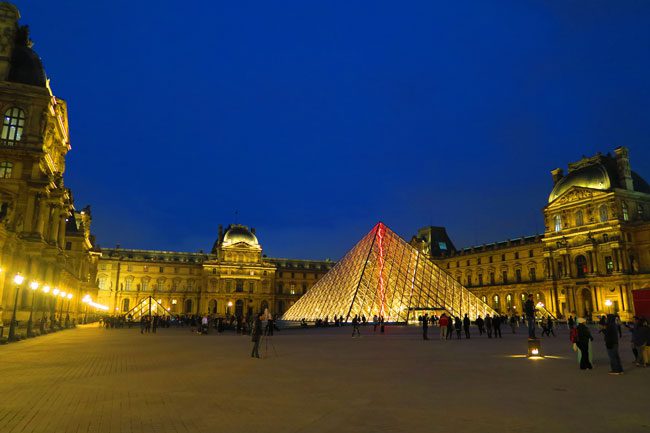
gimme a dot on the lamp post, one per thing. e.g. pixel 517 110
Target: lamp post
pixel 62 295
pixel 34 286
pixel 55 292
pixel 67 313
pixel 46 290
pixel 18 281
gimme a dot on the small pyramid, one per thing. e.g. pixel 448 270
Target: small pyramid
pixel 385 276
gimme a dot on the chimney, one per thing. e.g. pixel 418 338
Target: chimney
pixel 557 174
pixel 9 17
pixel 623 168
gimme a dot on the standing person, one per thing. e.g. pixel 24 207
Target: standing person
pixel 156 320
pixel 529 309
pixel 496 324
pixel 570 322
pixel 513 323
pixel 480 323
pixel 442 323
pixel 583 339
pixel 204 324
pixel 544 327
pixel 375 322
pixel 640 337
pixel 450 328
pixel 458 324
pixel 610 332
pixel 381 324
pixel 256 336
pixel 466 323
pixel 425 326
pixel 488 325
pixel 143 319
pixel 618 326
pixel 549 324
pixel 355 326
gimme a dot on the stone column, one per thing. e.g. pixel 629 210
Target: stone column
pixel 54 225
pixel 43 213
pixel 616 259
pixel 62 224
pixel 28 225
pixel 590 260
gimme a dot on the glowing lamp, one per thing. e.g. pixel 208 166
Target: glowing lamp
pixel 534 348
pixel 608 303
pixel 62 294
pixel 86 299
pixel 540 305
pixel 33 285
pixel 46 289
pixel 69 295
pixel 173 301
pixel 18 279
pixel 230 303
pixel 55 292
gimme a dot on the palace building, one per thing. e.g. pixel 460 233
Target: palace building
pixel 234 278
pixel 594 252
pixel 43 237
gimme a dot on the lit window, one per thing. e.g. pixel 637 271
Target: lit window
pixel 626 216
pixel 161 285
pixel 12 126
pixel 145 284
pixel 558 223
pixel 603 213
pixel 5 169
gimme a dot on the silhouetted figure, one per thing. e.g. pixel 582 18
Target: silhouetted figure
pixel 466 323
pixel 529 309
pixel 488 325
pixel 458 324
pixel 256 335
pixel 480 323
pixel 582 341
pixel 355 326
pixel 425 327
pixel 496 324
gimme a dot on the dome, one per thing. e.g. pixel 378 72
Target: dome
pixel 592 176
pixel 26 66
pixel 237 234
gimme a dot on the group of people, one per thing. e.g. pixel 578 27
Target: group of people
pixel 490 325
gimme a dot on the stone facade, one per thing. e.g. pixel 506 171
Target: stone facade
pixel 594 252
pixel 43 236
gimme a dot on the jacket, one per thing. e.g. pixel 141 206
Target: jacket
pixel 443 321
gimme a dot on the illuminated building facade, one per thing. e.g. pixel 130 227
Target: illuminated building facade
pixel 594 252
pixel 384 276
pixel 42 236
pixel 235 278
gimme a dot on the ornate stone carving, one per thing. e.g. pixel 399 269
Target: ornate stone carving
pixel 575 195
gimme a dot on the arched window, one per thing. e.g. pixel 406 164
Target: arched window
pixel 125 304
pixel 579 218
pixel 484 299
pixel 558 223
pixel 495 302
pixel 509 301
pixel 12 126
pixel 626 214
pixel 602 210
pixel 5 169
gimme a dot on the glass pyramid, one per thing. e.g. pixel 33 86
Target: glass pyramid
pixel 385 276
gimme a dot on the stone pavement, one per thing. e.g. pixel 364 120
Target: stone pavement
pixel 95 380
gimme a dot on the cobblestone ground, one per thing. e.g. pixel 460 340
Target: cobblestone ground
pixel 319 380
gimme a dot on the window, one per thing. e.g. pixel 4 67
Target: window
pixel 602 211
pixel 609 264
pixel 491 277
pixel 228 286
pixel 503 257
pixel 484 299
pixel 558 223
pixel 560 269
pixel 251 286
pixel 509 301
pixel 516 254
pixel 478 261
pixel 304 289
pixel 127 285
pixel 581 266
pixel 125 305
pixel 518 275
pixel 626 215
pixel 469 280
pixel 101 283
pixel 605 237
pixel 129 268
pixel 161 269
pixel 468 263
pixel 145 284
pixel 641 210
pixel 580 220
pixel 530 253
pixel 480 279
pixel 161 285
pixel 442 246
pixel 190 284
pixel 495 302
pixel 239 286
pixel 533 274
pixel 504 277
pixel 12 126
pixel 5 169
pixel 490 259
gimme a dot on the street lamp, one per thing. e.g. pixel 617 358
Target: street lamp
pixel 18 281
pixel 229 305
pixel 46 290
pixel 608 303
pixel 67 313
pixel 34 286
pixel 62 295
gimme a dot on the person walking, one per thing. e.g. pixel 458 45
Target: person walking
pixel 355 326
pixel 442 323
pixel 488 325
pixel 256 336
pixel 640 337
pixel 529 309
pixel 610 332
pixel 549 326
pixel 466 323
pixel 583 339
pixel 425 326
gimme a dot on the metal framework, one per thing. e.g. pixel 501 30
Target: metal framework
pixel 383 275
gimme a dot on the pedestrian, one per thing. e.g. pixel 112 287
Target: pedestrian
pixel 549 325
pixel 375 322
pixel 584 339
pixel 640 338
pixel 488 325
pixel 544 327
pixel 610 332
pixel 155 323
pixel 450 328
pixel 425 326
pixel 529 309
pixel 381 324
pixel 513 323
pixel 442 323
pixel 480 323
pixel 355 326
pixel 256 336
pixel 496 324
pixel 570 323
pixel 466 323
pixel 458 324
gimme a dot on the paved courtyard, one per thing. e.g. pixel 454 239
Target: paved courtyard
pixel 318 380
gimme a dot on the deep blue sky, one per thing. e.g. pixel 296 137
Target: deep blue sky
pixel 315 119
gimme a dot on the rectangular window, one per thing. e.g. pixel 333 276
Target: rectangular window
pixel 504 277
pixel 161 269
pixel 145 285
pixel 478 261
pixel 469 280
pixel 239 286
pixel 161 285
pixel 490 259
pixel 518 275
pixel 127 285
pixel 492 278
pixel 68 245
pixel 533 274
pixel 516 254
pixel 609 264
pixel 101 283
pixel 503 257
pixel 468 263
pixel 480 279
pixel 251 286
pixel 530 253
pixel 190 284
pixel 5 169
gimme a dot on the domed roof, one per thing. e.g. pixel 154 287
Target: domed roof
pixel 592 176
pixel 26 66
pixel 238 233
